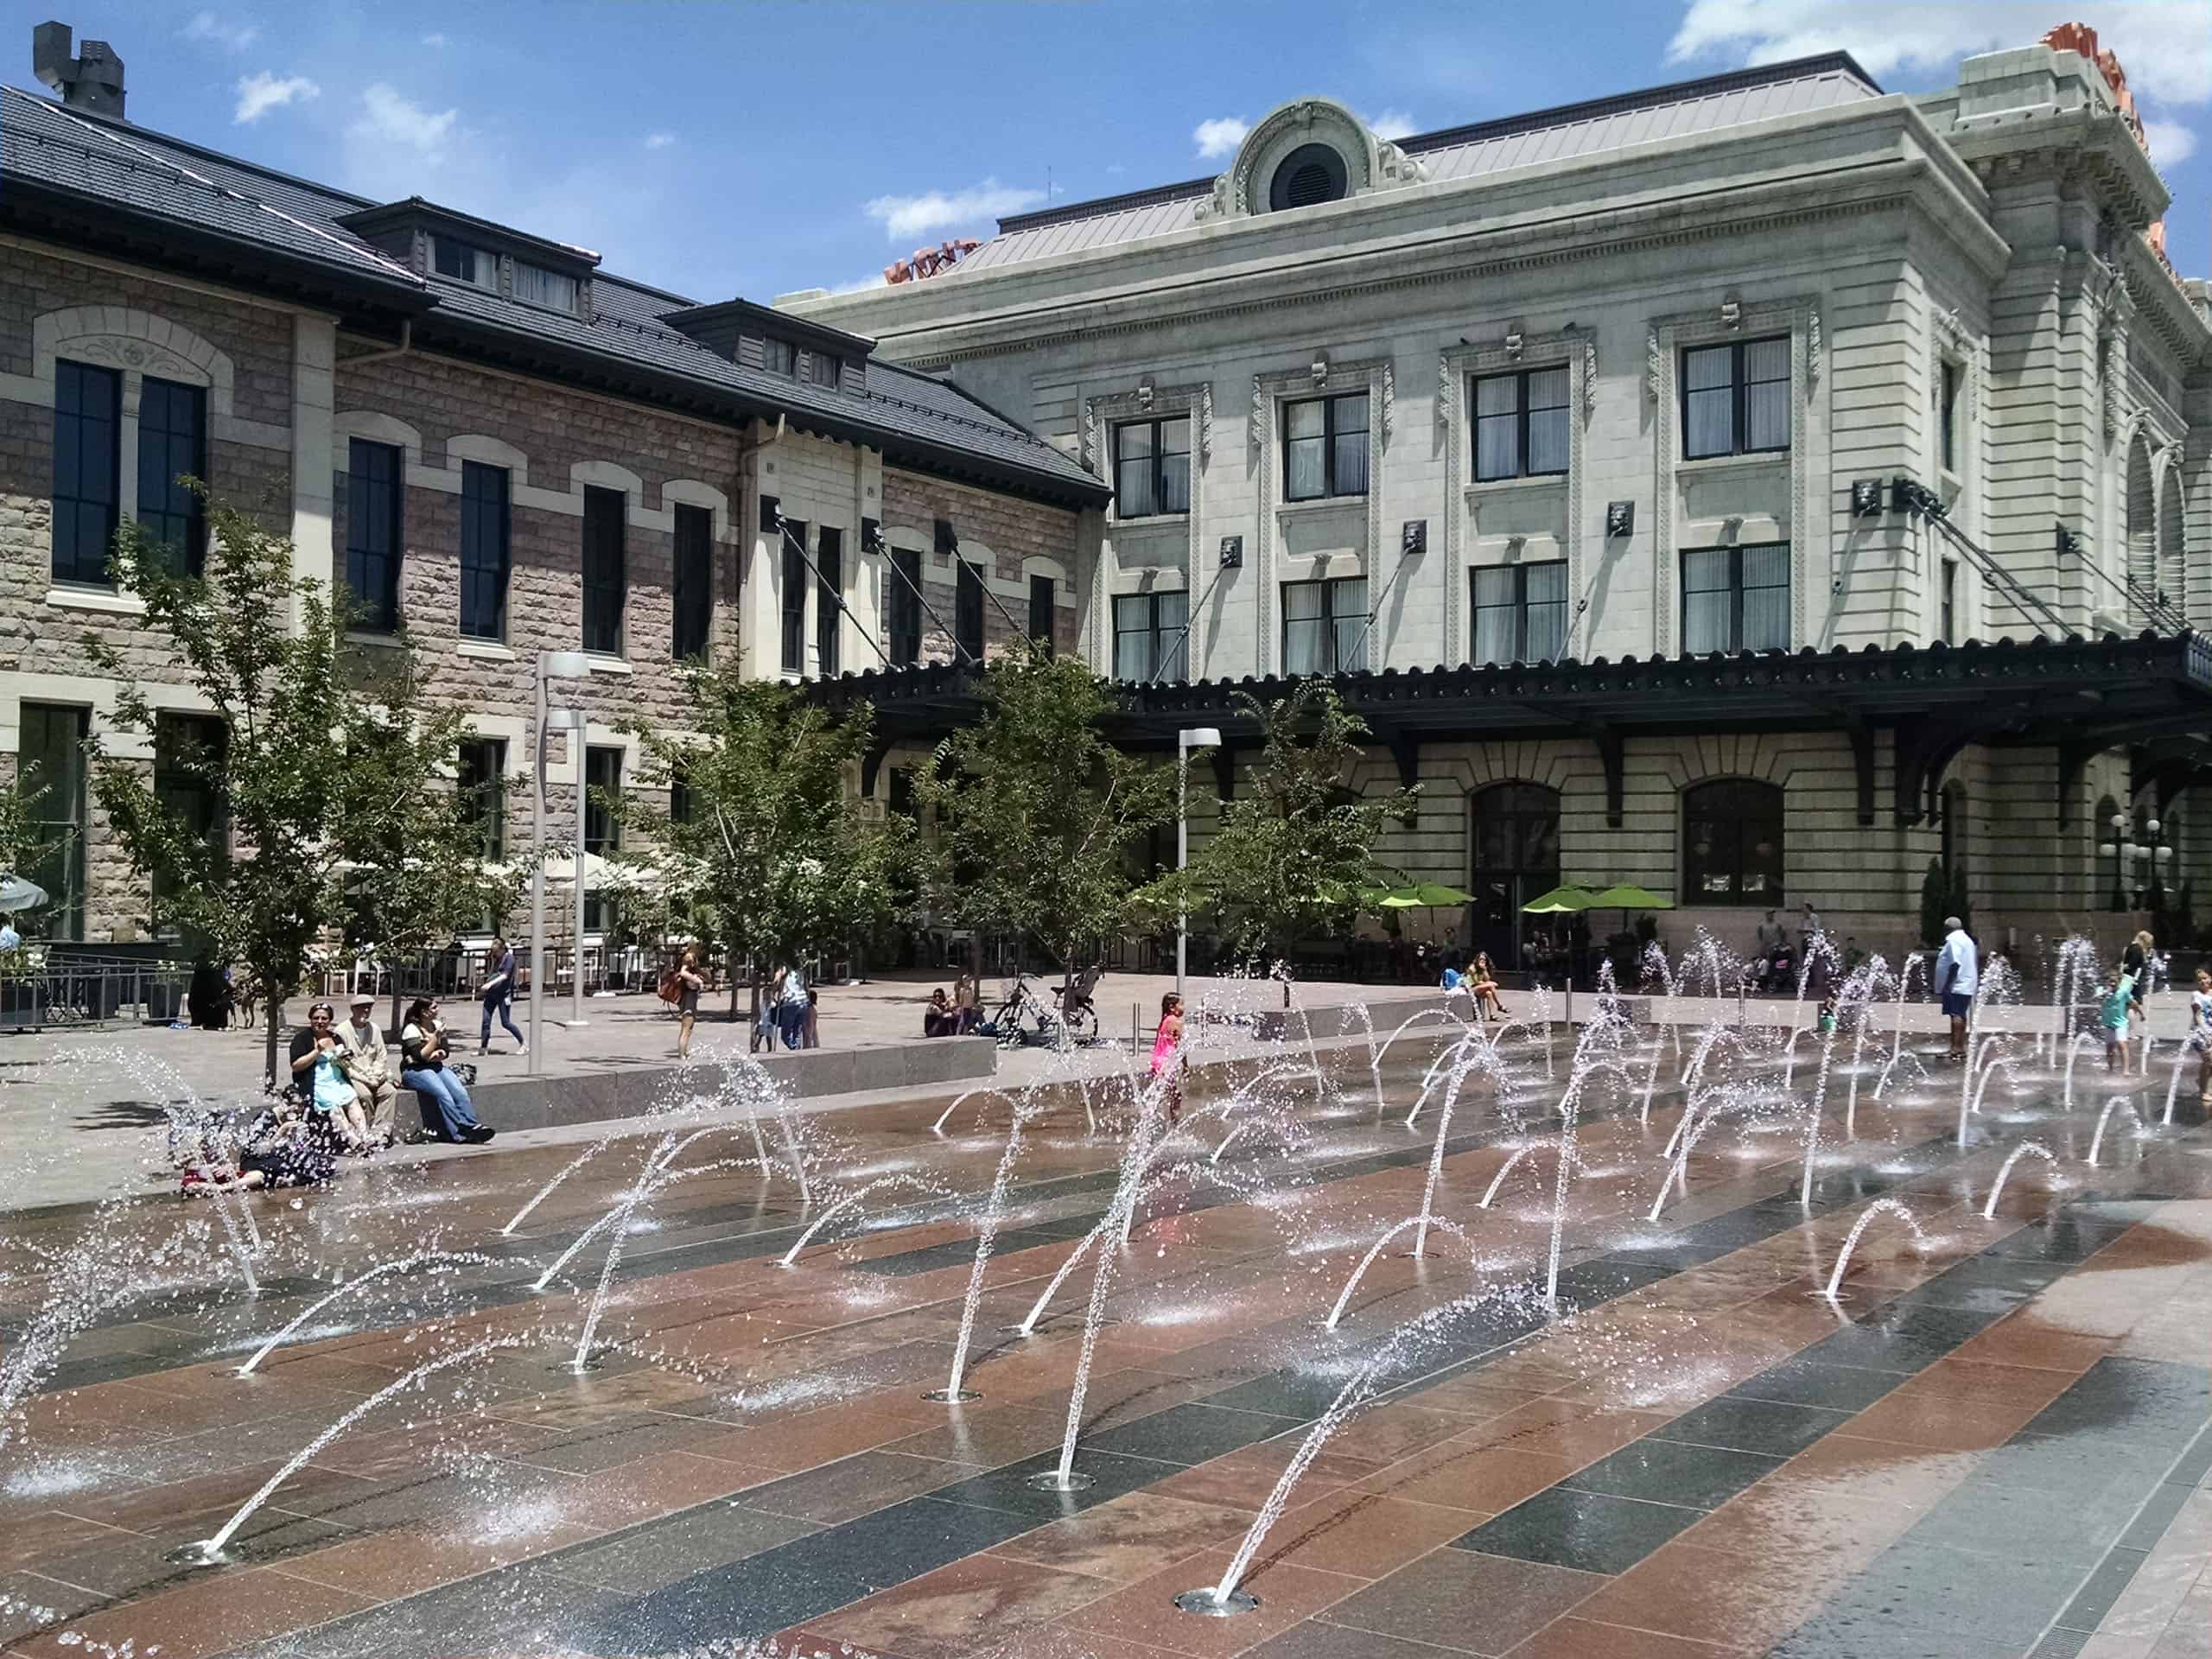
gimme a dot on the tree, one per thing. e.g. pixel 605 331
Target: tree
pixel 1934 901
pixel 764 849
pixel 238 824
pixel 1290 855
pixel 418 851
pixel 1036 814
pixel 1956 902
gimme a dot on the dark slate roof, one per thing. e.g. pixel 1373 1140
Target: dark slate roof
pixel 175 189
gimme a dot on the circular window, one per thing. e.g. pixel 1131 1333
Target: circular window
pixel 1309 174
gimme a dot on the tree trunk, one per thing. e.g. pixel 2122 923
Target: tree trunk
pixel 269 1047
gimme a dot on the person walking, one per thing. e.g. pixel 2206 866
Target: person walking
pixel 967 1004
pixel 448 1113
pixel 2119 1003
pixel 790 1005
pixel 319 1074
pixel 1958 976
pixel 1167 1061
pixel 2200 1033
pixel 499 995
pixel 689 982
pixel 369 1066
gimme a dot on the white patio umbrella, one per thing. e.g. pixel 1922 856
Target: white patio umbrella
pixel 16 893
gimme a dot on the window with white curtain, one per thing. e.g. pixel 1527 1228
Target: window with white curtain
pixel 1325 626
pixel 1324 447
pixel 1151 638
pixel 1521 613
pixel 1735 398
pixel 1736 599
pixel 1521 424
pixel 535 285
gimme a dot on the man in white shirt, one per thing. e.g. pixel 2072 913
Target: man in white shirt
pixel 1958 976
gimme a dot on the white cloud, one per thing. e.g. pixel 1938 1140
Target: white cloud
pixel 1391 125
pixel 434 40
pixel 906 216
pixel 220 31
pixel 2172 143
pixel 1218 137
pixel 2165 46
pixel 875 279
pixel 659 140
pixel 260 92
pixel 388 117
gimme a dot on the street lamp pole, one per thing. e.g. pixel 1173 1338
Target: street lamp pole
pixel 552 664
pixel 1192 737
pixel 2118 848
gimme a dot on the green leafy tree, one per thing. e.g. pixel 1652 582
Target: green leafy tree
pixel 418 850
pixel 1956 899
pixel 1935 903
pixel 765 851
pixel 1291 854
pixel 239 827
pixel 1037 815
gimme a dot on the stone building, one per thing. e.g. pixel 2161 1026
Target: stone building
pixel 1753 488
pixel 484 435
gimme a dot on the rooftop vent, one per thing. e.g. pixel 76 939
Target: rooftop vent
pixel 91 81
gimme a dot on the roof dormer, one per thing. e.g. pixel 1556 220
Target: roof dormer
pixel 1306 152
pixel 442 242
pixel 778 344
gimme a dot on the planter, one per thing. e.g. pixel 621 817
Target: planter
pixel 164 1000
pixel 23 1003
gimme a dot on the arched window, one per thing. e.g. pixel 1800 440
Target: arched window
pixel 1310 174
pixel 2142 527
pixel 1515 857
pixel 1731 843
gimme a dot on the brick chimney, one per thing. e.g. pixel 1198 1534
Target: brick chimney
pixel 91 81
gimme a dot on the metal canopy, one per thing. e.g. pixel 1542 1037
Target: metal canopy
pixel 2083 696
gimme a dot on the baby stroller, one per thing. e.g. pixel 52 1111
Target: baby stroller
pixel 1777 971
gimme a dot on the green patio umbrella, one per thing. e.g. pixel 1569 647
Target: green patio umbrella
pixel 1558 902
pixel 1419 895
pixel 1629 897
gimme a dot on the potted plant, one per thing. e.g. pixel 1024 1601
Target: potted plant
pixel 22 985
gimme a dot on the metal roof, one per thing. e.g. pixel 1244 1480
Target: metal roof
pixel 1706 104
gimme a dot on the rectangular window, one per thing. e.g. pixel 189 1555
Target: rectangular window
pixel 1325 626
pixel 1947 417
pixel 1949 619
pixel 602 830
pixel 825 370
pixel 1152 468
pixel 1521 613
pixel 88 464
pixel 829 613
pixel 1735 398
pixel 607 574
pixel 968 609
pixel 535 285
pixel 693 589
pixel 50 774
pixel 1151 636
pixel 1521 424
pixel 451 256
pixel 1044 598
pixel 173 445
pixel 187 779
pixel 796 577
pixel 903 585
pixel 484 531
pixel 1324 447
pixel 1736 599
pixel 482 783
pixel 680 801
pixel 375 474
pixel 779 357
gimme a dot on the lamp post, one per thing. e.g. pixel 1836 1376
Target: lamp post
pixel 1190 737
pixel 2112 849
pixel 556 665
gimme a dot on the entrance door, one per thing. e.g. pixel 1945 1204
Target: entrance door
pixel 1516 858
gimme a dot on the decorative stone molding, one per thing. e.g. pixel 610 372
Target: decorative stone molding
pixel 1663 343
pixel 1390 401
pixel 1570 349
pixel 1370 164
pixel 1094 459
pixel 1255 432
pixel 1269 393
pixel 1955 342
pixel 1447 394
pixel 1813 351
pixel 1205 424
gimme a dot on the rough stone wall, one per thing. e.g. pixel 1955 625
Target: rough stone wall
pixel 1023 537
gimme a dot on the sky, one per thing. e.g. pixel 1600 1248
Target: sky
pixel 719 148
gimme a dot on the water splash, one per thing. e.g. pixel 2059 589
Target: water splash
pixel 1366 1262
pixel 421 1258
pixel 2118 1103
pixel 1880 1206
pixel 2025 1150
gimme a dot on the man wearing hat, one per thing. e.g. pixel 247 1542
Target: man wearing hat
pixel 1958 976
pixel 370 1067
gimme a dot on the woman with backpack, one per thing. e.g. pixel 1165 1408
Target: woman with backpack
pixel 682 986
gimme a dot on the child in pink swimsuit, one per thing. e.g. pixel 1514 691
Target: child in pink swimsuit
pixel 1165 1052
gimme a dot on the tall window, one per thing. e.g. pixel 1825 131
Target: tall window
pixel 1948 622
pixel 554 290
pixel 484 522
pixel 451 256
pixel 1152 639
pixel 1735 397
pixel 792 596
pixel 829 611
pixel 1516 857
pixel 1731 843
pixel 1043 597
pixel 825 370
pixel 187 774
pixel 1736 598
pixel 602 830
pixel 779 357
pixel 903 582
pixel 1521 612
pixel 173 444
pixel 607 574
pixel 693 591
pixel 375 474
pixel 1947 412
pixel 1325 626
pixel 968 609
pixel 1521 424
pixel 87 459
pixel 1324 447
pixel 1152 468
pixel 681 803
pixel 50 772
pixel 482 783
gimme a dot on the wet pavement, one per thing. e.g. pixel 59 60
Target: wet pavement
pixel 1995 1444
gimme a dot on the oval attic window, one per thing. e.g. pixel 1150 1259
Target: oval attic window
pixel 1310 174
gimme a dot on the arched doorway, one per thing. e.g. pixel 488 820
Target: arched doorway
pixel 1515 857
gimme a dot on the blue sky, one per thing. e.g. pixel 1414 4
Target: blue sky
pixel 722 148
